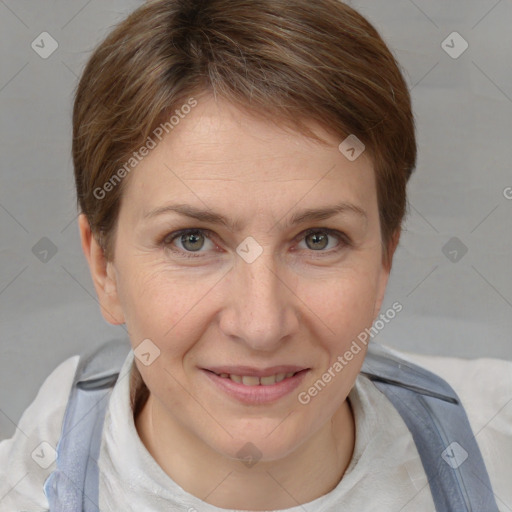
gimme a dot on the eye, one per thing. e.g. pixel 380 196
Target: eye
pixel 317 239
pixel 191 240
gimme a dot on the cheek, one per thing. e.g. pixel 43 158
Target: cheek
pixel 344 303
pixel 344 306
pixel 154 300
pixel 172 311
pixel 163 310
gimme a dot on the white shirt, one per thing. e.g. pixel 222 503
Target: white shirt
pixel 385 473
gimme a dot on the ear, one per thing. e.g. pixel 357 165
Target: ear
pixel 103 274
pixel 385 271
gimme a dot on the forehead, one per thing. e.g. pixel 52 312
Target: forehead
pixel 219 154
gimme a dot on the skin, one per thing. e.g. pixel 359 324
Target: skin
pixel 297 303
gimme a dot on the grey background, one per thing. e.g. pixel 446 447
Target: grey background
pixel 452 305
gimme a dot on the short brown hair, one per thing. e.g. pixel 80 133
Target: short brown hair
pixel 294 61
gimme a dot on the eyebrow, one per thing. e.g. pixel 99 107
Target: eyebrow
pixel 310 214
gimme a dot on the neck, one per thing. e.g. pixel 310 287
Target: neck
pixel 309 472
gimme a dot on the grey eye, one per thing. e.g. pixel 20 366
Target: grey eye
pixel 317 240
pixel 192 241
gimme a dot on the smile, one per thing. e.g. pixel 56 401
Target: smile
pixel 250 380
pixel 254 389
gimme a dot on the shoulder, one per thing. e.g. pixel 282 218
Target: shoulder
pixel 484 386
pixel 28 458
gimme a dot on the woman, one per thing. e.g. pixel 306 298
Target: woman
pixel 241 171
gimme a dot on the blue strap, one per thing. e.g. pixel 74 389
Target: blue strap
pixel 74 485
pixel 440 428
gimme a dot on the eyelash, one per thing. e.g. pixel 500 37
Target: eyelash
pixel 167 240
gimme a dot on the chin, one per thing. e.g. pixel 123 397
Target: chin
pixel 257 442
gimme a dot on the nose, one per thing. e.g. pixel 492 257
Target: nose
pixel 260 308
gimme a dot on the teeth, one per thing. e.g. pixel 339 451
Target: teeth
pixel 249 380
pixel 267 381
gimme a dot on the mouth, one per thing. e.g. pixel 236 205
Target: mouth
pixel 256 389
pixel 254 380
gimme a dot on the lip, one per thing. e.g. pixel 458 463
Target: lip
pixel 257 395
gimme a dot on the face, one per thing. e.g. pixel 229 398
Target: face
pixel 246 278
